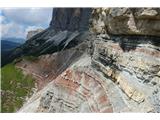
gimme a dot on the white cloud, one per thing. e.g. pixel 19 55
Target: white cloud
pixel 16 30
pixel 29 28
pixel 12 30
pixel 16 22
pixel 29 16
pixel 2 19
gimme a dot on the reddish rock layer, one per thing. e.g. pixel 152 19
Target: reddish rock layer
pixel 84 92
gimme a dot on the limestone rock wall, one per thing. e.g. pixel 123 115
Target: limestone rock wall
pixel 127 21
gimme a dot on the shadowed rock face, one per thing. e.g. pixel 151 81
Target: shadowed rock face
pixel 70 19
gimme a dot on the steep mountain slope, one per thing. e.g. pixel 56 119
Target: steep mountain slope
pixel 13 39
pixel 114 67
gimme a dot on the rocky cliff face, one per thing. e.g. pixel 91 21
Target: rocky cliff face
pixel 71 19
pixel 114 68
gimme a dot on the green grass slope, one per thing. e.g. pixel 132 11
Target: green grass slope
pixel 14 88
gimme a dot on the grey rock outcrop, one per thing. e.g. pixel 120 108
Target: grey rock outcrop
pixel 33 32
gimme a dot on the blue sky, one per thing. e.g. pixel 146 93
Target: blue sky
pixel 16 22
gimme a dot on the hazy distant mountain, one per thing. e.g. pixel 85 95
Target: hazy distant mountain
pixel 8 45
pixel 15 40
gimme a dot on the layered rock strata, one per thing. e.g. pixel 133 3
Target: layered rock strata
pixel 135 71
pixel 127 51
